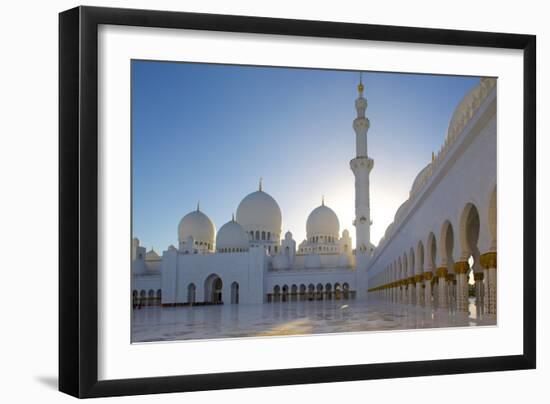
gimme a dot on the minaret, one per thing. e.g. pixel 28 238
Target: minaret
pixel 361 166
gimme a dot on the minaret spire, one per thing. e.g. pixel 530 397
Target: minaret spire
pixel 361 166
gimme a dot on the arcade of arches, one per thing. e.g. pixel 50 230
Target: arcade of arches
pixel 430 273
pixel 311 292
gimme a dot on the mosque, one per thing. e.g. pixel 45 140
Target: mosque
pixel 249 260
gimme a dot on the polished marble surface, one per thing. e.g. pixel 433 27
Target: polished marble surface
pixel 292 318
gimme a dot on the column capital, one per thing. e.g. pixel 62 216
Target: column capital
pixel 488 260
pixel 461 267
pixel 441 272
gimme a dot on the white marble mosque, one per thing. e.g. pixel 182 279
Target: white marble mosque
pixel 442 240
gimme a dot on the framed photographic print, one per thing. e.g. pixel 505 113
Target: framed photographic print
pixel 251 201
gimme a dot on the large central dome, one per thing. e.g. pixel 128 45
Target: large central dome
pixel 259 211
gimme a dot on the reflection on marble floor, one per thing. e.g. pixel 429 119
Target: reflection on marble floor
pixel 291 318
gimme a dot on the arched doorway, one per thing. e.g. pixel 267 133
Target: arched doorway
pixel 302 292
pixel 276 293
pixel 234 293
pixel 337 291
pixel 213 289
pixel 135 299
pixel 345 288
pixel 285 293
pixel 142 298
pixel 293 293
pixel 159 296
pixel 328 291
pixel 310 292
pixel 469 238
pixel 446 292
pixel 319 294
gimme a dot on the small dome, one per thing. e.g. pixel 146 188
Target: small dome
pixel 417 183
pixel 461 109
pixel 322 221
pixel 231 235
pixel 313 261
pixel 259 211
pixel 197 225
pixel 152 256
pixel 288 235
pixel 345 233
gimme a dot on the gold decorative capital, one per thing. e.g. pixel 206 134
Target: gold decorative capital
pixel 478 276
pixel 428 276
pixel 441 272
pixel 488 260
pixel 418 278
pixel 461 267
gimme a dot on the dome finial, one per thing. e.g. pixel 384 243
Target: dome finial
pixel 260 186
pixel 433 157
pixel 198 206
pixel 360 87
pixel 323 200
pixel 233 217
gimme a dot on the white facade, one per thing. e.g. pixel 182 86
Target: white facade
pixel 445 230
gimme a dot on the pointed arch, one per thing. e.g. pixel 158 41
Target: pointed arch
pixel 412 262
pixel 492 214
pixel 446 244
pixel 469 230
pixel 432 251
pixel 419 267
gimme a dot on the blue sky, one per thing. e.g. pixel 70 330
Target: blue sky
pixel 209 132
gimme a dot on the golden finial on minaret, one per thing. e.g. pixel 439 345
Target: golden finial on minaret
pixel 360 87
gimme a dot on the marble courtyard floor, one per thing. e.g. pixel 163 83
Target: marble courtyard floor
pixel 156 323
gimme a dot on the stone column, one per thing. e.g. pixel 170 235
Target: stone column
pixel 461 269
pixel 478 278
pixel 442 288
pixel 451 289
pixel 411 296
pixel 428 288
pixel 489 262
pixel 419 291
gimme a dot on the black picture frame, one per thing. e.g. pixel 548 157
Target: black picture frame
pixel 78 201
